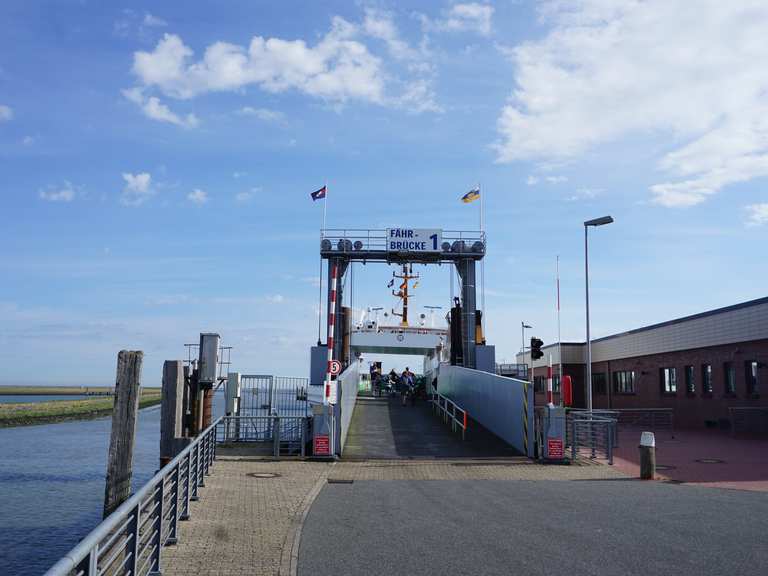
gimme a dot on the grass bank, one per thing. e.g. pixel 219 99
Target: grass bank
pixel 29 414
pixel 54 390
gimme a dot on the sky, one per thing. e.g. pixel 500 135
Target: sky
pixel 157 162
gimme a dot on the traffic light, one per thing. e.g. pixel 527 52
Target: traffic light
pixel 536 344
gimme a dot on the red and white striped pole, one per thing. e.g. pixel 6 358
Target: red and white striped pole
pixel 331 326
pixel 549 382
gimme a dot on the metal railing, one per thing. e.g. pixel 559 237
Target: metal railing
pixel 363 239
pixel 130 540
pixel 653 419
pixel 519 371
pixel 749 419
pixel 288 434
pixel 593 434
pixel 451 412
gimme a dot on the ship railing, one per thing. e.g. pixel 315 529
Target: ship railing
pixel 450 412
pixel 131 539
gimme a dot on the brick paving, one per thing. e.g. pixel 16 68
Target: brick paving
pixel 244 525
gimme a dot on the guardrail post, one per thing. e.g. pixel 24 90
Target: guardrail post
pixel 173 529
pixel 200 464
pixel 133 531
pixel 574 441
pixel 88 566
pixel 158 539
pixel 187 487
pixel 276 436
pixel 303 425
pixel 193 472
pixel 609 429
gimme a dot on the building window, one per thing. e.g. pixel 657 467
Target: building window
pixel 690 383
pixel 539 384
pixel 730 378
pixel 599 384
pixel 668 378
pixel 556 383
pixel 624 382
pixel 750 370
pixel 706 378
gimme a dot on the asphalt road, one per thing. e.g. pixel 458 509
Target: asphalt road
pixel 611 527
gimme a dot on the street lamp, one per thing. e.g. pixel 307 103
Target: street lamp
pixel 596 222
pixel 523 326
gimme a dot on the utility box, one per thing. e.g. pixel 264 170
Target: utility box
pixel 553 435
pixel 209 358
pixel 318 366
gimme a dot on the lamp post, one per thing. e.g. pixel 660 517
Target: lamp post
pixel 596 222
pixel 523 326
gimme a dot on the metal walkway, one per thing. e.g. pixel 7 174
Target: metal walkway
pixel 383 428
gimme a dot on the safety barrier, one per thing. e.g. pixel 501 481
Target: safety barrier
pixel 130 540
pixel 749 419
pixel 653 419
pixel 592 433
pixel 450 412
pixel 288 434
pixel 348 384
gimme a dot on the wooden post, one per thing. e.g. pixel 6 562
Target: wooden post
pixel 171 410
pixel 126 408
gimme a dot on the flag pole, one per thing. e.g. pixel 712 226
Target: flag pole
pixel 325 202
pixel 482 262
pixel 559 339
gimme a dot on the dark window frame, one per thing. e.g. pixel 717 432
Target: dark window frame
pixel 707 385
pixel 729 379
pixel 752 377
pixel 600 383
pixel 668 381
pixel 624 382
pixel 690 379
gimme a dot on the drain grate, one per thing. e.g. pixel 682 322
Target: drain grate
pixel 710 461
pixel 263 475
pixel 340 481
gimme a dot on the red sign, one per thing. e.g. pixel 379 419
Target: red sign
pixel 334 367
pixel 322 445
pixel 554 448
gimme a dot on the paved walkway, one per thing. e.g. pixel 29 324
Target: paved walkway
pixel 244 525
pixel 383 428
pixel 705 457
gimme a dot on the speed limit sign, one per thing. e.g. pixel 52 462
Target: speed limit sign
pixel 334 367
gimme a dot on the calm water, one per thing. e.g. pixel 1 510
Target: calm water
pixel 11 398
pixel 52 485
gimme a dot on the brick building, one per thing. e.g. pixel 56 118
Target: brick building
pixel 699 365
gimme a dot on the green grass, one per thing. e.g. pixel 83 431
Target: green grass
pixel 27 414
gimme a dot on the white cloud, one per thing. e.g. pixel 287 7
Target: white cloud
pixel 153 21
pixel 198 196
pixel 137 190
pixel 654 69
pixel 247 196
pixel 468 17
pixel 65 193
pixel 556 179
pixel 337 68
pixel 27 140
pixel 6 113
pixel 276 299
pixel 156 110
pixel 758 214
pixel 264 114
pixel 532 180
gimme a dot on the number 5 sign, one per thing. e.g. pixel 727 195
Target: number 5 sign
pixel 334 367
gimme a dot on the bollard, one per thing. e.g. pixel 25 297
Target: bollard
pixel 647 456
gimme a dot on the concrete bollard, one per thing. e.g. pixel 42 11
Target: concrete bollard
pixel 647 456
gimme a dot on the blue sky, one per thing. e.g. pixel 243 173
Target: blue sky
pixel 157 163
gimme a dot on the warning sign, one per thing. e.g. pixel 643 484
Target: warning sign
pixel 334 367
pixel 555 448
pixel 322 445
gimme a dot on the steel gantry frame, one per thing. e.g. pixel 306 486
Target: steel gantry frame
pixel 462 249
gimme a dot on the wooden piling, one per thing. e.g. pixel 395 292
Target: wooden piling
pixel 171 410
pixel 124 415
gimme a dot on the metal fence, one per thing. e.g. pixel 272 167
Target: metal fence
pixel 265 395
pixel 130 540
pixel 651 419
pixel 749 419
pixel 592 434
pixel 287 434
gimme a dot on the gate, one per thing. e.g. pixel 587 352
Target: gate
pixel 273 409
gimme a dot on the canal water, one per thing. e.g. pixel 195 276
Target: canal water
pixel 52 485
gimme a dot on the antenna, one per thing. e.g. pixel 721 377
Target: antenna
pixel 402 293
